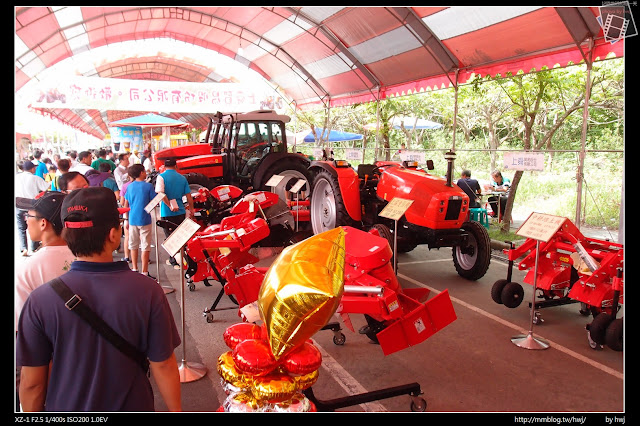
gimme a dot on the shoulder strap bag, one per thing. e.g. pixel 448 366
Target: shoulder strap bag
pixel 73 302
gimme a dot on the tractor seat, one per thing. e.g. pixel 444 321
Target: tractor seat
pixel 366 170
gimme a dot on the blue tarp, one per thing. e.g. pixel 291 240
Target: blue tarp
pixel 334 136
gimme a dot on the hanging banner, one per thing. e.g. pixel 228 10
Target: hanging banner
pixel 149 95
pixel 126 139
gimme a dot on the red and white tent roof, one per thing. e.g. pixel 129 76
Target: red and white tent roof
pixel 314 55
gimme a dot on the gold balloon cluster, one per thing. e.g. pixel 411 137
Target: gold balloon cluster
pixel 267 368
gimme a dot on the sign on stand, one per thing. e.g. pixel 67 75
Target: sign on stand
pixel 274 181
pixel 540 227
pixel 396 208
pixel 180 236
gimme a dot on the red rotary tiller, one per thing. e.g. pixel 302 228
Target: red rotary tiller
pixel 396 319
pixel 571 268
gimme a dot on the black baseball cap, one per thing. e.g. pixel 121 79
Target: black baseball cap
pixel 28 165
pixel 95 204
pixel 170 162
pixel 48 206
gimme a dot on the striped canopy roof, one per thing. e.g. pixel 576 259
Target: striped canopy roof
pixel 314 55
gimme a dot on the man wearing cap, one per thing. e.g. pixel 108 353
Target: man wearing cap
pixel 27 185
pixel 66 365
pixel 52 259
pixel 174 186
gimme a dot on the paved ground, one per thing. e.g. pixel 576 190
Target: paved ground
pixel 471 366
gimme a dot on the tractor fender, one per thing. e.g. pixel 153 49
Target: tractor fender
pixel 273 158
pixel 348 182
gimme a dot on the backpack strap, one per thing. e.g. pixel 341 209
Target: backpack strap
pixel 73 302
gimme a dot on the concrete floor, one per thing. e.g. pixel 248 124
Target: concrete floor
pixel 471 366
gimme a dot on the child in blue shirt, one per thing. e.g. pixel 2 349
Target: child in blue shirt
pixel 139 194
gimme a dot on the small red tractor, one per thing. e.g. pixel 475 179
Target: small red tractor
pixel 395 316
pixel 439 215
pixel 571 268
pixel 240 149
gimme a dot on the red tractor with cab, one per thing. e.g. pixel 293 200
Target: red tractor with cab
pixel 241 149
pixel 438 217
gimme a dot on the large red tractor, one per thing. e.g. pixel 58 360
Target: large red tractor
pixel 241 149
pixel 438 216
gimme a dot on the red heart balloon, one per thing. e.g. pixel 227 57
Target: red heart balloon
pixel 303 360
pixel 254 356
pixel 240 332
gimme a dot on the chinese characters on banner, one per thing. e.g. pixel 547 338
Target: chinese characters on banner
pixel 524 161
pixel 148 95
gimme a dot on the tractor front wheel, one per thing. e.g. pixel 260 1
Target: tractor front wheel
pixel 472 261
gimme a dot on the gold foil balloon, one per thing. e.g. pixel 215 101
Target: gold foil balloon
pixel 302 289
pixel 274 387
pixel 229 373
pixel 307 380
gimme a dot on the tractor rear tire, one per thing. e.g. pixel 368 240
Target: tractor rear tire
pixel 290 168
pixel 474 264
pixel 327 206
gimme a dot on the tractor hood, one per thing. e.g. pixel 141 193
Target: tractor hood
pixel 435 205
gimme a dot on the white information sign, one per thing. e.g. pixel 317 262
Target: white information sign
pixel 299 184
pixel 533 161
pixel 417 156
pixel 274 180
pixel 353 154
pixel 153 203
pixel 180 236
pixel 540 226
pixel 396 208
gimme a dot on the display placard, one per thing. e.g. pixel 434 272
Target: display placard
pixel 153 203
pixel 540 226
pixel 180 236
pixel 274 180
pixel 396 208
pixel 299 184
pixel 533 161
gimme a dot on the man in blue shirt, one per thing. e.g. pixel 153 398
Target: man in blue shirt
pixel 174 186
pixel 471 187
pixel 66 365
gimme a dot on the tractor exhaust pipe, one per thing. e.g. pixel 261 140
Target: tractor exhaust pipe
pixel 450 157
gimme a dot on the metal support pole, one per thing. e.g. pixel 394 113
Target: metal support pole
pixel 189 371
pixel 585 118
pixel 528 341
pixel 167 289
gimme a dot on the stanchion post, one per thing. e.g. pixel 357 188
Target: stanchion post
pixel 189 371
pixel 528 341
pixel 166 289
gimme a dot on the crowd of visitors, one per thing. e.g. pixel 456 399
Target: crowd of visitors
pixel 75 215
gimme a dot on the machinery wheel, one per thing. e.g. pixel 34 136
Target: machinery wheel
pixel 613 335
pixel 496 291
pixel 598 328
pixel 472 261
pixel 418 405
pixel 209 317
pixel 339 339
pixel 327 207
pixel 512 295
